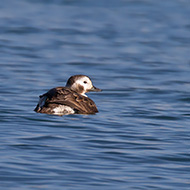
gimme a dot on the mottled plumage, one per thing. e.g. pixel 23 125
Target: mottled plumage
pixel 70 99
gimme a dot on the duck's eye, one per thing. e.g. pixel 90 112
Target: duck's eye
pixel 85 82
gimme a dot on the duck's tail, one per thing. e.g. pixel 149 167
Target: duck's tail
pixel 41 103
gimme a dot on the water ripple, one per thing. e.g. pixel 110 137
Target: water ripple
pixel 138 53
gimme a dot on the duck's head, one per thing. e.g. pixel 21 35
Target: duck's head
pixel 81 84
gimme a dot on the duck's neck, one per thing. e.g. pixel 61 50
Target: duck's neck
pixel 83 94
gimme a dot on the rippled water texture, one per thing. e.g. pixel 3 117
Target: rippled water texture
pixel 138 52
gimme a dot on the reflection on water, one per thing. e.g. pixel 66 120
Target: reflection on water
pixel 138 53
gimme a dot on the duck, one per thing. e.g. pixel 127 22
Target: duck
pixel 71 99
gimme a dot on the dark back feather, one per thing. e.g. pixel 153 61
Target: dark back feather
pixel 68 97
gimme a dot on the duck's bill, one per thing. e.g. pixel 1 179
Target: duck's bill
pixel 94 89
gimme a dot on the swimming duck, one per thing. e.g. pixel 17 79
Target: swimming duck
pixel 70 99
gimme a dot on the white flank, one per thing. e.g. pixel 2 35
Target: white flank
pixel 61 109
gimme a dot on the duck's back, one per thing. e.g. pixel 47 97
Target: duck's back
pixel 63 100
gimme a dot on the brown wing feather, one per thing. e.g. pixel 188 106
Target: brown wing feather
pixel 66 96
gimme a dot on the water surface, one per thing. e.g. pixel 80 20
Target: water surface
pixel 138 53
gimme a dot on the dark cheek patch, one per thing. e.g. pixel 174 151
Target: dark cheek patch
pixel 80 89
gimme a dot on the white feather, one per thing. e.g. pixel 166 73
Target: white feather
pixel 61 109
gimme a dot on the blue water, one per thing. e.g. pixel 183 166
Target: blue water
pixel 138 52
